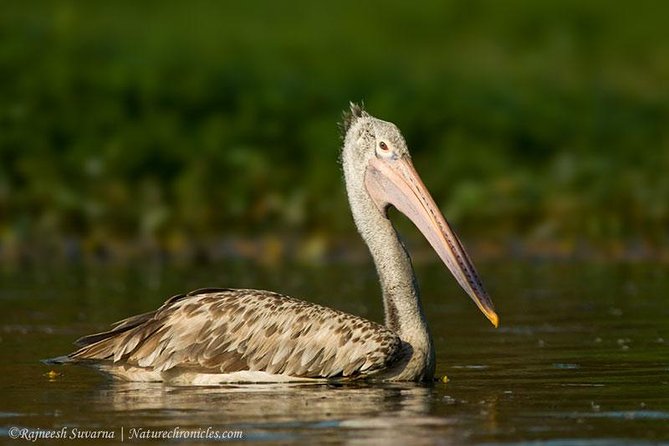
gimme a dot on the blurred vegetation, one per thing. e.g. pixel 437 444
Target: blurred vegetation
pixel 181 121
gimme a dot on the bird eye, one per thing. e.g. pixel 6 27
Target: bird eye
pixel 383 146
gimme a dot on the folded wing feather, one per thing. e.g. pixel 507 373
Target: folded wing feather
pixel 230 330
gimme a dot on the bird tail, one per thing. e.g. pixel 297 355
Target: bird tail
pixel 58 360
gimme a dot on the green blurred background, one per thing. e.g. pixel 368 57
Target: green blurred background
pixel 131 127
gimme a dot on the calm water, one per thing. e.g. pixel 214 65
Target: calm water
pixel 581 357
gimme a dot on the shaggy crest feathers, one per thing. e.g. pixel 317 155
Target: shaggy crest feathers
pixel 349 117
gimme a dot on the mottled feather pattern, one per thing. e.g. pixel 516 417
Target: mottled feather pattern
pixel 230 330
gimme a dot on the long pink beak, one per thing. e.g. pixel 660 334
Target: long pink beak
pixel 396 182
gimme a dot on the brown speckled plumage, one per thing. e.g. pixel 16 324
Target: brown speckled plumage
pixel 229 330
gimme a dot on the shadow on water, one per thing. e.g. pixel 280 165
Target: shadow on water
pixel 581 357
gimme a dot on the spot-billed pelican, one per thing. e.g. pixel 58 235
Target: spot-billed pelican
pixel 243 335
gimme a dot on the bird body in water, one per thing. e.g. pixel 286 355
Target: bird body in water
pixel 221 335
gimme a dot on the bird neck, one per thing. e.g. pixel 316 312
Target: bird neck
pixel 401 298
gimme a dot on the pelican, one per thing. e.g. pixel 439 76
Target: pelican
pixel 222 335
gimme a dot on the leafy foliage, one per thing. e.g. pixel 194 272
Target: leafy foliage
pixel 186 119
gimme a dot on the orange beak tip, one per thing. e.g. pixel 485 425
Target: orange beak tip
pixel 494 319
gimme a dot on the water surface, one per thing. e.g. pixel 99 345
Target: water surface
pixel 581 357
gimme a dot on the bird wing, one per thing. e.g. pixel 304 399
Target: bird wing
pixel 228 330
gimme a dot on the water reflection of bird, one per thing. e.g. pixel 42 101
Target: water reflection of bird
pixel 241 335
pixel 275 402
pixel 388 413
